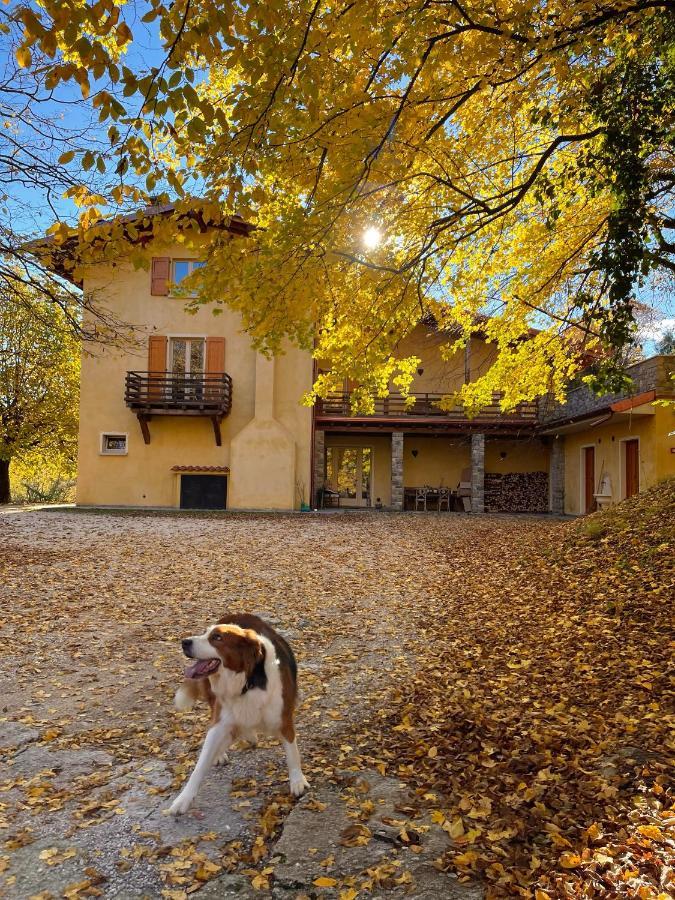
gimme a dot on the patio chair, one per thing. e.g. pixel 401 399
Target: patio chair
pixel 330 499
pixel 444 497
pixel 420 498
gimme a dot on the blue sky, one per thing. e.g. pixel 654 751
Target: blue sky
pixel 31 214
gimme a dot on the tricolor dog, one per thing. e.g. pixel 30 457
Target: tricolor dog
pixel 247 673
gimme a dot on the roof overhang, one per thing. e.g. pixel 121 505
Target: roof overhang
pixel 137 229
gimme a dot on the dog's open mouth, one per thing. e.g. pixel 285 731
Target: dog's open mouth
pixel 201 668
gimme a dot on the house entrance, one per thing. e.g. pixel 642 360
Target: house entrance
pixel 589 479
pixel 349 471
pixel 632 466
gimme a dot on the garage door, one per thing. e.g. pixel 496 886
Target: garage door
pixel 203 492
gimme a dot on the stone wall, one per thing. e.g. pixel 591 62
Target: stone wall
pixel 397 470
pixel 652 374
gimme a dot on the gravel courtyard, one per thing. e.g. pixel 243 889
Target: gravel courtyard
pixel 93 607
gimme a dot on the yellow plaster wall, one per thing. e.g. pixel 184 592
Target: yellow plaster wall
pixel 664 438
pixel 521 456
pixel 440 375
pixel 439 461
pixel 143 477
pixel 656 459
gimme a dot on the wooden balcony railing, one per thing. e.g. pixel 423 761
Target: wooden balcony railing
pixel 338 405
pixel 151 394
pixel 164 392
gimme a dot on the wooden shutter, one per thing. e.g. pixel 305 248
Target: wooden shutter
pixel 160 275
pixel 215 365
pixel 215 355
pixel 157 353
pixel 156 364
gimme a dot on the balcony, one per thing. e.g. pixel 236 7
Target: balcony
pixel 423 413
pixel 151 394
pixel 652 380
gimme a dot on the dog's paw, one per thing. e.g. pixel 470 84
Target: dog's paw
pixel 222 759
pixel 299 784
pixel 180 805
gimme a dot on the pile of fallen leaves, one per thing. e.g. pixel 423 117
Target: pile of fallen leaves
pixel 537 718
pixel 512 671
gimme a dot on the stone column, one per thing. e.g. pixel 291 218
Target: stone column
pixel 397 470
pixel 319 465
pixel 556 476
pixel 478 473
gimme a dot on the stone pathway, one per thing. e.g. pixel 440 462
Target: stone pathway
pixel 91 750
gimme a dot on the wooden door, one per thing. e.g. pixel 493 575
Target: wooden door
pixel 589 479
pixel 632 463
pixel 203 492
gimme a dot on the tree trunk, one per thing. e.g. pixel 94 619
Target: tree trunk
pixel 4 481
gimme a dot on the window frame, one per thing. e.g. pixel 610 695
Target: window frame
pixel 103 451
pixel 193 264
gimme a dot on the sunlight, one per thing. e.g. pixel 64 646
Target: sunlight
pixel 372 237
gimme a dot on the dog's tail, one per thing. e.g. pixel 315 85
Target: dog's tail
pixel 190 691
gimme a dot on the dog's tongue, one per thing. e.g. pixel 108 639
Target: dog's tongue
pixel 201 668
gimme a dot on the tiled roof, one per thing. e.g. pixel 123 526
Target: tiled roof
pixel 225 470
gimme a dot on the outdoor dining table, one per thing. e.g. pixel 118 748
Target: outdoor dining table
pixel 432 496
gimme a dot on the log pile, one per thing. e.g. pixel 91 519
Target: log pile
pixel 516 492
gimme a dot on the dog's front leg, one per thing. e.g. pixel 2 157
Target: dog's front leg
pixel 216 736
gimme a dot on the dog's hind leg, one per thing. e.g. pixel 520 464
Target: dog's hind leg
pixel 222 759
pixel 298 782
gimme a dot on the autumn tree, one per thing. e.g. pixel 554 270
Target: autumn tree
pixel 666 343
pixel 39 381
pixel 401 162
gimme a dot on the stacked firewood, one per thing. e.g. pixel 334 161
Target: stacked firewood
pixel 516 492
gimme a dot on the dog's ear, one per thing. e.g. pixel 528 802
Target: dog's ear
pixel 252 651
pixel 240 648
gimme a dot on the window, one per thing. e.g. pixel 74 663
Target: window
pixel 114 444
pixel 186 356
pixel 186 364
pixel 181 269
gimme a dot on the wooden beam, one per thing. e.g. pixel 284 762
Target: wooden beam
pixel 215 421
pixel 143 422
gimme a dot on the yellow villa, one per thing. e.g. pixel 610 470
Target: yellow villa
pixel 195 418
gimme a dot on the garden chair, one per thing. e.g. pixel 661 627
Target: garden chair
pixel 444 497
pixel 421 498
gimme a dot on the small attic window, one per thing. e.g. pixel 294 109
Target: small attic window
pixel 114 444
pixel 182 268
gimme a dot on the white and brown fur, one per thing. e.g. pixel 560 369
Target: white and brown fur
pixel 252 691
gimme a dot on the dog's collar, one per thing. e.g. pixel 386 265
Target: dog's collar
pixel 258 677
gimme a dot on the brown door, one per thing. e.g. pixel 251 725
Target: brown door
pixel 589 479
pixel 632 449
